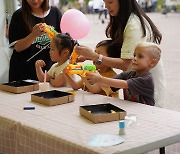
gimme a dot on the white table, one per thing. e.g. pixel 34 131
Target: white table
pixel 61 129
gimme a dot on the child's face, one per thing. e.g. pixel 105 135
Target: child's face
pixel 54 52
pixel 142 61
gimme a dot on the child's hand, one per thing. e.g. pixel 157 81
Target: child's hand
pixel 40 63
pixel 64 70
pixel 93 77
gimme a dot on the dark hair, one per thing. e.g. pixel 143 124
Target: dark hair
pixel 27 13
pixel 64 41
pixel 118 23
pixel 112 49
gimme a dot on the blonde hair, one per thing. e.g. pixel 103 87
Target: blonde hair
pixel 154 49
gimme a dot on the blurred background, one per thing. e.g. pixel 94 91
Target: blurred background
pixel 93 6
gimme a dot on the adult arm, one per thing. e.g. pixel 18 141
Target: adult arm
pixel 26 42
pixel 132 36
pixel 118 63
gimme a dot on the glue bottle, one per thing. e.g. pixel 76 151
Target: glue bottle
pixel 121 127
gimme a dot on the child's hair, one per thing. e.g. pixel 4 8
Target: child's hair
pixel 112 48
pixel 153 48
pixel 64 41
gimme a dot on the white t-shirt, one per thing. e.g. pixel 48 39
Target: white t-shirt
pixel 133 34
pixel 55 69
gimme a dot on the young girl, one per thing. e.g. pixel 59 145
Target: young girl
pixel 60 50
pixel 105 48
pixel 137 84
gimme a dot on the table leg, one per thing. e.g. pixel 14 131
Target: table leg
pixel 162 150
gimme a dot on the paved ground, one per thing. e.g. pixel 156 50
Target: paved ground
pixel 169 25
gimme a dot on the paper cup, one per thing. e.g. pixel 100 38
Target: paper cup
pixel 43 86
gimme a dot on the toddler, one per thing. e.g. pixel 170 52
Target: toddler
pixel 60 50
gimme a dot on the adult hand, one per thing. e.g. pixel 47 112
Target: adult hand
pixel 26 42
pixel 81 58
pixel 86 52
pixel 38 29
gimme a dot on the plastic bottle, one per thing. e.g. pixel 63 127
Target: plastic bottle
pixel 122 127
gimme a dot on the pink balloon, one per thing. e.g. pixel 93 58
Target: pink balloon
pixel 75 23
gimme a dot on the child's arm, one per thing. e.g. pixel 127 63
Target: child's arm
pixel 58 81
pixel 74 84
pixel 104 81
pixel 40 74
pixel 93 88
pixel 77 85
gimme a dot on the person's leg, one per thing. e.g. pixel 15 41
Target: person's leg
pixel 105 13
pixel 100 13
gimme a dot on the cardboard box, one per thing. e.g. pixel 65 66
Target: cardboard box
pixel 53 97
pixel 102 112
pixel 20 86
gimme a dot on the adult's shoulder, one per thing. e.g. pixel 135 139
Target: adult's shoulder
pixel 133 26
pixel 133 20
pixel 55 10
pixel 17 16
pixel 18 13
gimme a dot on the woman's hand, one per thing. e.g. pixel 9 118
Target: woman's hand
pixel 86 52
pixel 26 42
pixel 38 29
pixel 81 58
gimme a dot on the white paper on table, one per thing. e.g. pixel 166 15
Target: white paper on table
pixel 101 140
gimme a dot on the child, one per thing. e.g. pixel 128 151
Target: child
pixel 137 84
pixel 60 50
pixel 105 48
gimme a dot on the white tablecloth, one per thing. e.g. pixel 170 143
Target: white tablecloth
pixel 61 129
